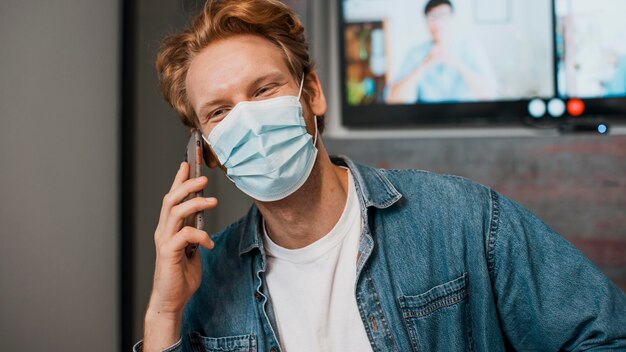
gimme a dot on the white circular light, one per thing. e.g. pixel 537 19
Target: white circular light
pixel 556 107
pixel 537 108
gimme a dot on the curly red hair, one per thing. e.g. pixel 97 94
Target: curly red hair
pixel 221 19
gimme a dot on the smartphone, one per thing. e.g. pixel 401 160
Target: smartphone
pixel 194 157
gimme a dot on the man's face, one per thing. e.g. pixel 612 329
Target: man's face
pixel 439 22
pixel 232 70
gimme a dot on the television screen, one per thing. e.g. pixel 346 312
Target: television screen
pixel 481 62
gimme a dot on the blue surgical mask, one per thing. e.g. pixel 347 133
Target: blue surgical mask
pixel 265 147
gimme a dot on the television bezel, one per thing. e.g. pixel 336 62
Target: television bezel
pixel 500 113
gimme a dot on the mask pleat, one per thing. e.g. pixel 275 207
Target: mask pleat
pixel 272 162
pixel 265 147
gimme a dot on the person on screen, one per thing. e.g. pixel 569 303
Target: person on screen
pixel 446 68
pixel 334 255
pixel 616 86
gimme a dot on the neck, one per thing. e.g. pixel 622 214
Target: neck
pixel 312 211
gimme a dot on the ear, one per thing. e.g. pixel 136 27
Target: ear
pixel 317 100
pixel 209 157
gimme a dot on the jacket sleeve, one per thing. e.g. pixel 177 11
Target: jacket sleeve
pixel 549 296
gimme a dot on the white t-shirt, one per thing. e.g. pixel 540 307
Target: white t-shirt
pixel 313 288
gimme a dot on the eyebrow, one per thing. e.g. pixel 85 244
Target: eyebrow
pixel 256 82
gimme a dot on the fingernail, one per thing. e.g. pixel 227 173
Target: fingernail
pixel 211 199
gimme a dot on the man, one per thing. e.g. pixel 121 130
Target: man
pixel 446 68
pixel 335 256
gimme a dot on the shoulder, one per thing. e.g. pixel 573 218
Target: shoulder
pixel 226 289
pixel 444 201
pixel 224 257
pixel 223 269
pixel 412 182
pixel 621 66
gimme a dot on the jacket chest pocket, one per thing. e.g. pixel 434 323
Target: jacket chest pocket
pixel 438 320
pixel 240 343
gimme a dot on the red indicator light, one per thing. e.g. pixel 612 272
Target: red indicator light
pixel 575 107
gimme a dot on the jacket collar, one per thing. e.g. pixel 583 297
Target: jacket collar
pixel 372 185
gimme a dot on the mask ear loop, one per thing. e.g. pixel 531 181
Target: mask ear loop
pixel 316 132
pixel 314 117
pixel 301 86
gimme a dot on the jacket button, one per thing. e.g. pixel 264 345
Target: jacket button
pixel 257 296
pixel 274 349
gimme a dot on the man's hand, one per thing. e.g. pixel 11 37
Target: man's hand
pixel 176 277
pixel 441 54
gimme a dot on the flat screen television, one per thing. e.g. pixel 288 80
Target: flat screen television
pixel 481 62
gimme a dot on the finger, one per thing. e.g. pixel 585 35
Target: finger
pixel 186 236
pixel 178 194
pixel 181 175
pixel 185 209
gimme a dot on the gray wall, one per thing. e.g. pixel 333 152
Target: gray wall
pixel 58 175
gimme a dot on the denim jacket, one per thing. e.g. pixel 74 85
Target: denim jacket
pixel 444 264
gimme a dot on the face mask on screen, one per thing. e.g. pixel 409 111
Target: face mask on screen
pixel 265 147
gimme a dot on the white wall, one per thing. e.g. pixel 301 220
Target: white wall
pixel 59 115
